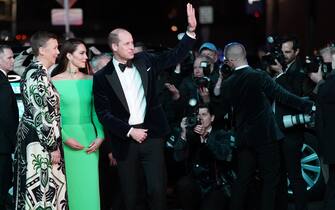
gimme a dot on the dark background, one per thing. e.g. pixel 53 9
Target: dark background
pixel 150 20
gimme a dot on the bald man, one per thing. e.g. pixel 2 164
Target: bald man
pixel 247 92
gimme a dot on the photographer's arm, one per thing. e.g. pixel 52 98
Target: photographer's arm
pixel 317 78
pixel 276 69
pixel 180 147
pixel 217 87
pixel 204 93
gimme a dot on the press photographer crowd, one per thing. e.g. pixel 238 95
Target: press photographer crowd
pixel 183 128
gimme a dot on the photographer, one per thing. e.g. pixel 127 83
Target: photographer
pixel 208 154
pixel 208 49
pixel 322 66
pixel 195 88
pixel 293 79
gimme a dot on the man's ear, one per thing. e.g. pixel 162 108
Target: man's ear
pixel 297 52
pixel 114 47
pixel 212 118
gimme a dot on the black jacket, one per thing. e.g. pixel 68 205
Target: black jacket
pixel 111 105
pixel 325 118
pixel 9 116
pixel 247 92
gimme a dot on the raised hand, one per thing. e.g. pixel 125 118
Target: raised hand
pixel 173 90
pixel 191 19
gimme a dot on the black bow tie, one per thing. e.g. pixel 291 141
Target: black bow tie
pixel 123 66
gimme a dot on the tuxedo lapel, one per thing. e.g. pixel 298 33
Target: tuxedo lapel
pixel 114 81
pixel 144 75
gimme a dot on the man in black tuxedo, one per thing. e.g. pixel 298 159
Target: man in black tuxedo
pixel 127 105
pixel 257 132
pixel 9 120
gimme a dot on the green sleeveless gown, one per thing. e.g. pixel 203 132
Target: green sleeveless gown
pixel 79 121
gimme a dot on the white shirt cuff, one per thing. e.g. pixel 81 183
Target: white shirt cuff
pixel 128 134
pixel 191 34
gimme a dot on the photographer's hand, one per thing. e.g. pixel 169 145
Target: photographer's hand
pixel 199 129
pixel 316 76
pixel 183 128
pixel 173 90
pixel 204 93
pixel 278 68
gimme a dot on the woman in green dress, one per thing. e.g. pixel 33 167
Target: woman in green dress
pixel 82 134
pixel 39 180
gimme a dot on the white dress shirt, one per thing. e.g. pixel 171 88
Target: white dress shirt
pixel 133 90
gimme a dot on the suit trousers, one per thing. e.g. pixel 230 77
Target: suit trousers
pixel 149 157
pixel 291 169
pixel 190 197
pixel 267 159
pixel 6 175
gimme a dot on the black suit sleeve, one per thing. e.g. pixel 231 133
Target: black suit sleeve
pixel 102 107
pixel 274 90
pixel 174 56
pixel 8 116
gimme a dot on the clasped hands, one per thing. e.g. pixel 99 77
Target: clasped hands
pixel 139 134
pixel 74 144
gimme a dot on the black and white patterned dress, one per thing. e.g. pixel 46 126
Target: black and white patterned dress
pixel 39 184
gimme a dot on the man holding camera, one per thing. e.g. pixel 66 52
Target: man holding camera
pixel 247 91
pixel 207 151
pixel 196 88
pixel 291 78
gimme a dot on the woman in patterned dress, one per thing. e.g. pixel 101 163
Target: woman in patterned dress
pixel 39 181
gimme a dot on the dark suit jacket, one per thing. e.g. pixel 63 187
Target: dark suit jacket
pixel 296 82
pixel 247 91
pixel 9 116
pixel 218 147
pixel 325 118
pixel 111 105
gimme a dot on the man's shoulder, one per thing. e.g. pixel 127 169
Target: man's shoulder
pixel 108 68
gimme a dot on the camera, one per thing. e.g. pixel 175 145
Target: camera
pixel 225 69
pixel 299 119
pixel 172 138
pixel 312 64
pixel 202 82
pixel 274 52
pixel 206 68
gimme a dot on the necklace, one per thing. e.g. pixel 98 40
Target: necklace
pixel 72 71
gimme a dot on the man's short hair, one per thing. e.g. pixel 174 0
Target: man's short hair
pixel 3 47
pixel 39 39
pixel 293 39
pixel 207 106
